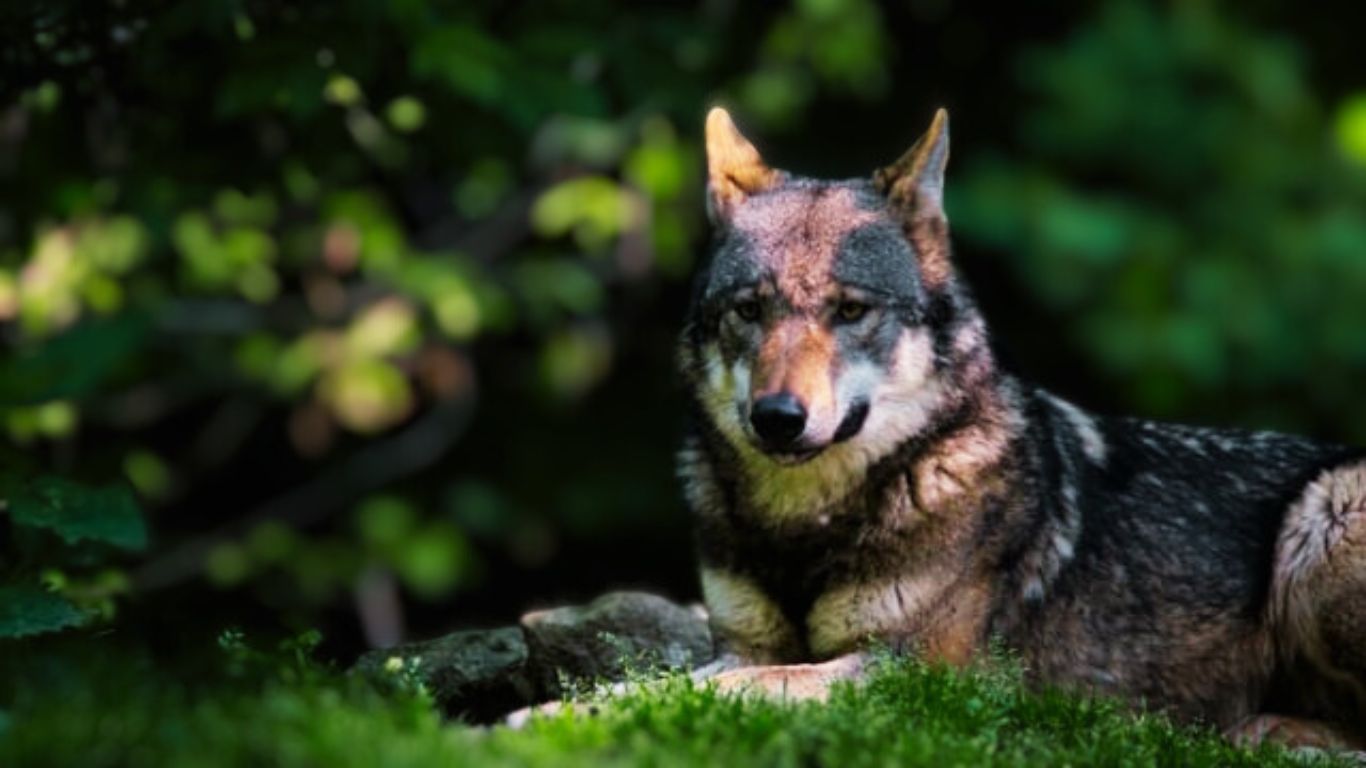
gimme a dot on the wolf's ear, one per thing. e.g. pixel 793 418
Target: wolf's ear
pixel 915 183
pixel 734 169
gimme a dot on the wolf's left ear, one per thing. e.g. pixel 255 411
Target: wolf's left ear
pixel 734 169
pixel 915 183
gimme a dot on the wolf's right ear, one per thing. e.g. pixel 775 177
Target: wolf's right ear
pixel 734 169
pixel 915 183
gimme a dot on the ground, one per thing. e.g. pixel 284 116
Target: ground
pixel 281 709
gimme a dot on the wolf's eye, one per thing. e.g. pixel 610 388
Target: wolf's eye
pixel 747 310
pixel 851 311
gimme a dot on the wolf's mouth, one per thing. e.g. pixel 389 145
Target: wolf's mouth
pixel 849 427
pixel 793 458
pixel 852 421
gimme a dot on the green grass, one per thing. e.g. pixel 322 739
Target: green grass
pixel 295 714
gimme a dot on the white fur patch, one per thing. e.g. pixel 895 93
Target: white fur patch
pixel 1057 550
pixel 1044 564
pixel 699 482
pixel 1194 444
pixel 1092 441
pixel 1331 509
pixel 1059 546
pixel 901 401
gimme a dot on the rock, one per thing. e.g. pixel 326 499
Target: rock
pixel 615 632
pixel 477 675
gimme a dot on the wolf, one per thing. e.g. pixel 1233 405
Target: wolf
pixel 865 474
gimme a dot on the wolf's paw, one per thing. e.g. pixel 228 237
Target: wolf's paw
pixel 1299 734
pixel 781 683
pixel 792 682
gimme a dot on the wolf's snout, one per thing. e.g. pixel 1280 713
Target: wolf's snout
pixel 778 419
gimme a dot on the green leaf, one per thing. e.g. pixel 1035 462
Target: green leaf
pixel 1350 125
pixel 26 611
pixel 72 364
pixel 78 513
pixel 594 208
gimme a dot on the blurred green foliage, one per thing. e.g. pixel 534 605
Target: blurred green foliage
pixel 272 263
pixel 1190 214
pixel 55 565
pixel 326 217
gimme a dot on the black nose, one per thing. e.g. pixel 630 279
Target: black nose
pixel 779 419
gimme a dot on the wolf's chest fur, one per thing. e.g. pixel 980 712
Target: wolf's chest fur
pixel 842 576
pixel 864 473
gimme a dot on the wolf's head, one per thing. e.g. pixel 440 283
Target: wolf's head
pixel 828 329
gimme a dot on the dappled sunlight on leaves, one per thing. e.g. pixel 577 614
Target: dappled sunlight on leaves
pixel 594 209
pixel 72 268
pixel 366 395
pixel 232 257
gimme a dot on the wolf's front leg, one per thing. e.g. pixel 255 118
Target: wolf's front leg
pixel 748 626
pixel 757 641
pixel 792 682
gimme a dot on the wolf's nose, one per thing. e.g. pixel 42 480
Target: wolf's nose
pixel 779 419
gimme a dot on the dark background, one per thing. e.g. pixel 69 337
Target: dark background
pixel 373 304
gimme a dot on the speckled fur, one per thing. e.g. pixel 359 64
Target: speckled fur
pixel 1214 574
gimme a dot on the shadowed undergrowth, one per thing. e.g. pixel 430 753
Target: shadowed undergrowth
pixel 282 710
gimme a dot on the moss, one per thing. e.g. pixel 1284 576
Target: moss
pixel 297 714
